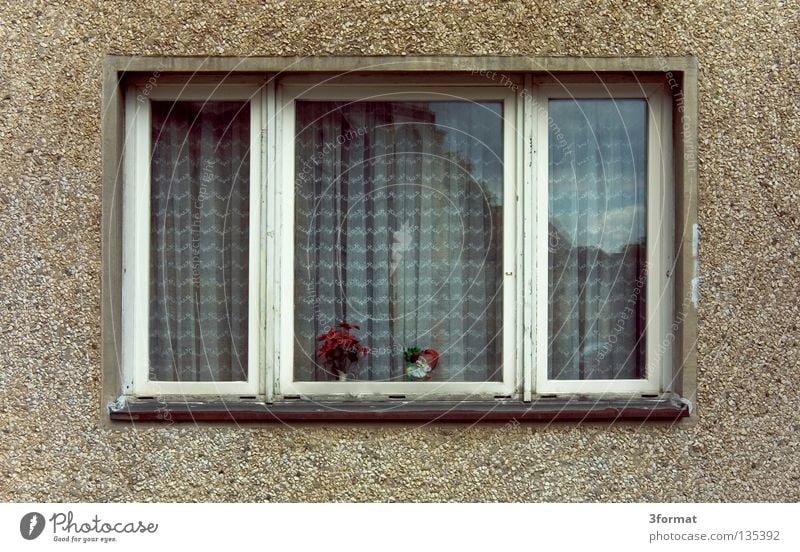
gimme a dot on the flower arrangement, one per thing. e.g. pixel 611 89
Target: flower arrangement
pixel 340 349
pixel 420 364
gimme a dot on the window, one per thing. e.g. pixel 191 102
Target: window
pixel 373 237
pixel 604 205
pixel 400 222
pixel 192 239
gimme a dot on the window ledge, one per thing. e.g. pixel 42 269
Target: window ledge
pixel 541 410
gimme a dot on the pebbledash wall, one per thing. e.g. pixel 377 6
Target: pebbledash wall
pixel 742 442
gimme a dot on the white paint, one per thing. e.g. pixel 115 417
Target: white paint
pixel 269 257
pixel 376 90
pixel 136 237
pixel 527 198
pixel 696 286
pixel 117 404
pixel 696 258
pixel 659 233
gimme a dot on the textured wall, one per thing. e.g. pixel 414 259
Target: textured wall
pixel 744 445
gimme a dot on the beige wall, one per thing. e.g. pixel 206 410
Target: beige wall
pixel 743 444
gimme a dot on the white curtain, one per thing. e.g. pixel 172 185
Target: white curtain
pixel 597 245
pixel 199 241
pixel 398 218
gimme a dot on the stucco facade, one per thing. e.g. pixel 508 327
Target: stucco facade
pixel 741 443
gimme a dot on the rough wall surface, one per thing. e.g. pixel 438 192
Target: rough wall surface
pixel 744 445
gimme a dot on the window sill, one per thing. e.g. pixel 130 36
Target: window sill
pixel 541 410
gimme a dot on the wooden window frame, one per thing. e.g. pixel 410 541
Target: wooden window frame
pixel 136 234
pixel 387 89
pixel 659 227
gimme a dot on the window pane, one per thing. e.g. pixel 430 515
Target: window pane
pixel 398 230
pixel 200 171
pixel 597 246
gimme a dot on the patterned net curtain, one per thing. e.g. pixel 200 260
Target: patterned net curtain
pixel 597 246
pixel 200 171
pixel 398 229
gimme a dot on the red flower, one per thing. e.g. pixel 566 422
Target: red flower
pixel 341 344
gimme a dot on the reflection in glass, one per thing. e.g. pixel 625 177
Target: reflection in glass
pixel 398 212
pixel 597 170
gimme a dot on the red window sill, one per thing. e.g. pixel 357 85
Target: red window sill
pixel 540 410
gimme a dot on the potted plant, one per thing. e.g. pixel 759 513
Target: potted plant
pixel 340 349
pixel 420 364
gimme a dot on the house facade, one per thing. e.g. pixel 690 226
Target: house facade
pixel 553 247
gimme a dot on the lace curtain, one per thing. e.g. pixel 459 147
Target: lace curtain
pixel 398 229
pixel 199 241
pixel 597 246
pixel 398 224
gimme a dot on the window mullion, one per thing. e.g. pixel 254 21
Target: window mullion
pixel 136 225
pixel 268 251
pixel 539 238
pixel 527 235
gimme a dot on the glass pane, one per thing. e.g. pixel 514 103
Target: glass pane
pixel 200 198
pixel 398 230
pixel 597 247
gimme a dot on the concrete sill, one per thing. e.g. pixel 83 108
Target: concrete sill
pixel 255 411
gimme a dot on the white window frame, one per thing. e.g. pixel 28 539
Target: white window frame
pixel 271 279
pixel 136 233
pixel 291 90
pixel 659 217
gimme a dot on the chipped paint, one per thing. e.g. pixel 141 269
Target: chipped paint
pixel 696 265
